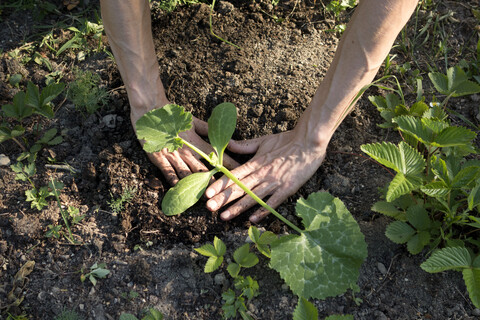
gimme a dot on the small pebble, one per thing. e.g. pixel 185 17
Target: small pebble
pixel 476 312
pixel 4 160
pixel 381 268
pixel 219 279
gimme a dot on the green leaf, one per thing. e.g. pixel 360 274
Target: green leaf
pixel 207 250
pixel 418 217
pixel 449 258
pixel 415 127
pixel 127 316
pixel 389 209
pixel 186 193
pixel 48 136
pixel 455 82
pixel 399 232
pixel 402 184
pixel 219 246
pixel 402 159
pixel 50 92
pixel 416 244
pixel 160 128
pixel 213 263
pixel 32 97
pixel 340 317
pixel 221 126
pixel 19 109
pixel 418 108
pixel 233 269
pixel 436 189
pixel 100 272
pixel 454 136
pixel 153 314
pixel 267 238
pixel 244 257
pixel 305 310
pixel 465 177
pixel 324 260
pixel 472 281
pixel 474 196
pixel 254 234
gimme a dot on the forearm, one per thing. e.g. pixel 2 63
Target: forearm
pixel 365 44
pixel 128 28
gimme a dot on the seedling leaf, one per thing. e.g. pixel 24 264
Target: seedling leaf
pixel 186 193
pixel 18 110
pixel 219 246
pixel 221 126
pixel 213 263
pixel 160 128
pixel 244 257
pixel 233 269
pixel 207 250
pixel 389 209
pixel 449 258
pixel 399 232
pixel 305 310
pixel 328 253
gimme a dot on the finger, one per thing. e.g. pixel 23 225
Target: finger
pixel 201 127
pixel 274 201
pixel 164 165
pixel 245 146
pixel 246 202
pixel 194 164
pixel 177 162
pixel 229 162
pixel 224 182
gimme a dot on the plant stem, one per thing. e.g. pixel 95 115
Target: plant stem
pixel 226 172
pixel 19 144
pixel 200 152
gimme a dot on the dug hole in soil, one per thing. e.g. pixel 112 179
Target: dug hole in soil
pixel 271 80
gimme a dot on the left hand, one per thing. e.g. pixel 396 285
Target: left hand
pixel 282 164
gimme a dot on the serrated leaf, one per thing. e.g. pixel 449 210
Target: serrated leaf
pixel 48 136
pixel 436 189
pixel 418 108
pixel 219 246
pixel 160 128
pixel 221 126
pixel 379 102
pixel 324 260
pixel 207 250
pixel 186 193
pixel 32 97
pixel 439 81
pixel 449 258
pixel 153 314
pixel 418 217
pixel 465 177
pixel 254 234
pixel 454 136
pixel 402 184
pixel 472 281
pixel 244 257
pixel 305 310
pixel 416 244
pixel 415 127
pixel 127 316
pixel 402 159
pixel 50 92
pixel 267 237
pixel 19 109
pixel 389 209
pixel 399 232
pixel 474 196
pixel 340 317
pixel 213 263
pixel 233 269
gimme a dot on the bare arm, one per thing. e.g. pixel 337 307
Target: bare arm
pixel 284 162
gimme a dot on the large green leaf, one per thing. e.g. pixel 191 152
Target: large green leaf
pixel 436 189
pixel 186 193
pixel 472 281
pixel 18 109
pixel 305 310
pixel 160 128
pixel 416 244
pixel 447 259
pixel 455 82
pixel 454 136
pixel 221 126
pixel 415 127
pixel 403 159
pixel 324 260
pixel 418 217
pixel 466 176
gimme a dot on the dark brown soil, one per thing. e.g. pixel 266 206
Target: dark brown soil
pixel 271 80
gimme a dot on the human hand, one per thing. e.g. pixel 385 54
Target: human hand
pixel 184 161
pixel 282 164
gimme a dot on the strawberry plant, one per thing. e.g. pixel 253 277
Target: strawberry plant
pixel 434 196
pixel 321 260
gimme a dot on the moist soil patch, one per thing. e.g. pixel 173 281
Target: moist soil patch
pixel 271 80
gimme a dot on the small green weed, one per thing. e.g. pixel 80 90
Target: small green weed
pixel 96 271
pixel 85 92
pixel 150 314
pixel 117 205
pixel 68 315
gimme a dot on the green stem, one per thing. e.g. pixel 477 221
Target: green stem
pixel 70 237
pixel 200 152
pixel 230 175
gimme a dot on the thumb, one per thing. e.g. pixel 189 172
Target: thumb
pixel 245 146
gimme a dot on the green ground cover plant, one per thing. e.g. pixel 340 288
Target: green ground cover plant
pixel 326 221
pixel 434 195
pixel 86 93
pixel 95 272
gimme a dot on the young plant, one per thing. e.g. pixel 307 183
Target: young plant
pixel 330 240
pixel 117 205
pixel 151 314
pixel 434 195
pixel 85 92
pixel 96 271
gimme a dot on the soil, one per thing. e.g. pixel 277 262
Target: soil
pixel 271 80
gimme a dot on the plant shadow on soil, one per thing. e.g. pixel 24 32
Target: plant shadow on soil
pixel 270 80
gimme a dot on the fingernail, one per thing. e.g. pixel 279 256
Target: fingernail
pixel 225 215
pixel 210 193
pixel 212 205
